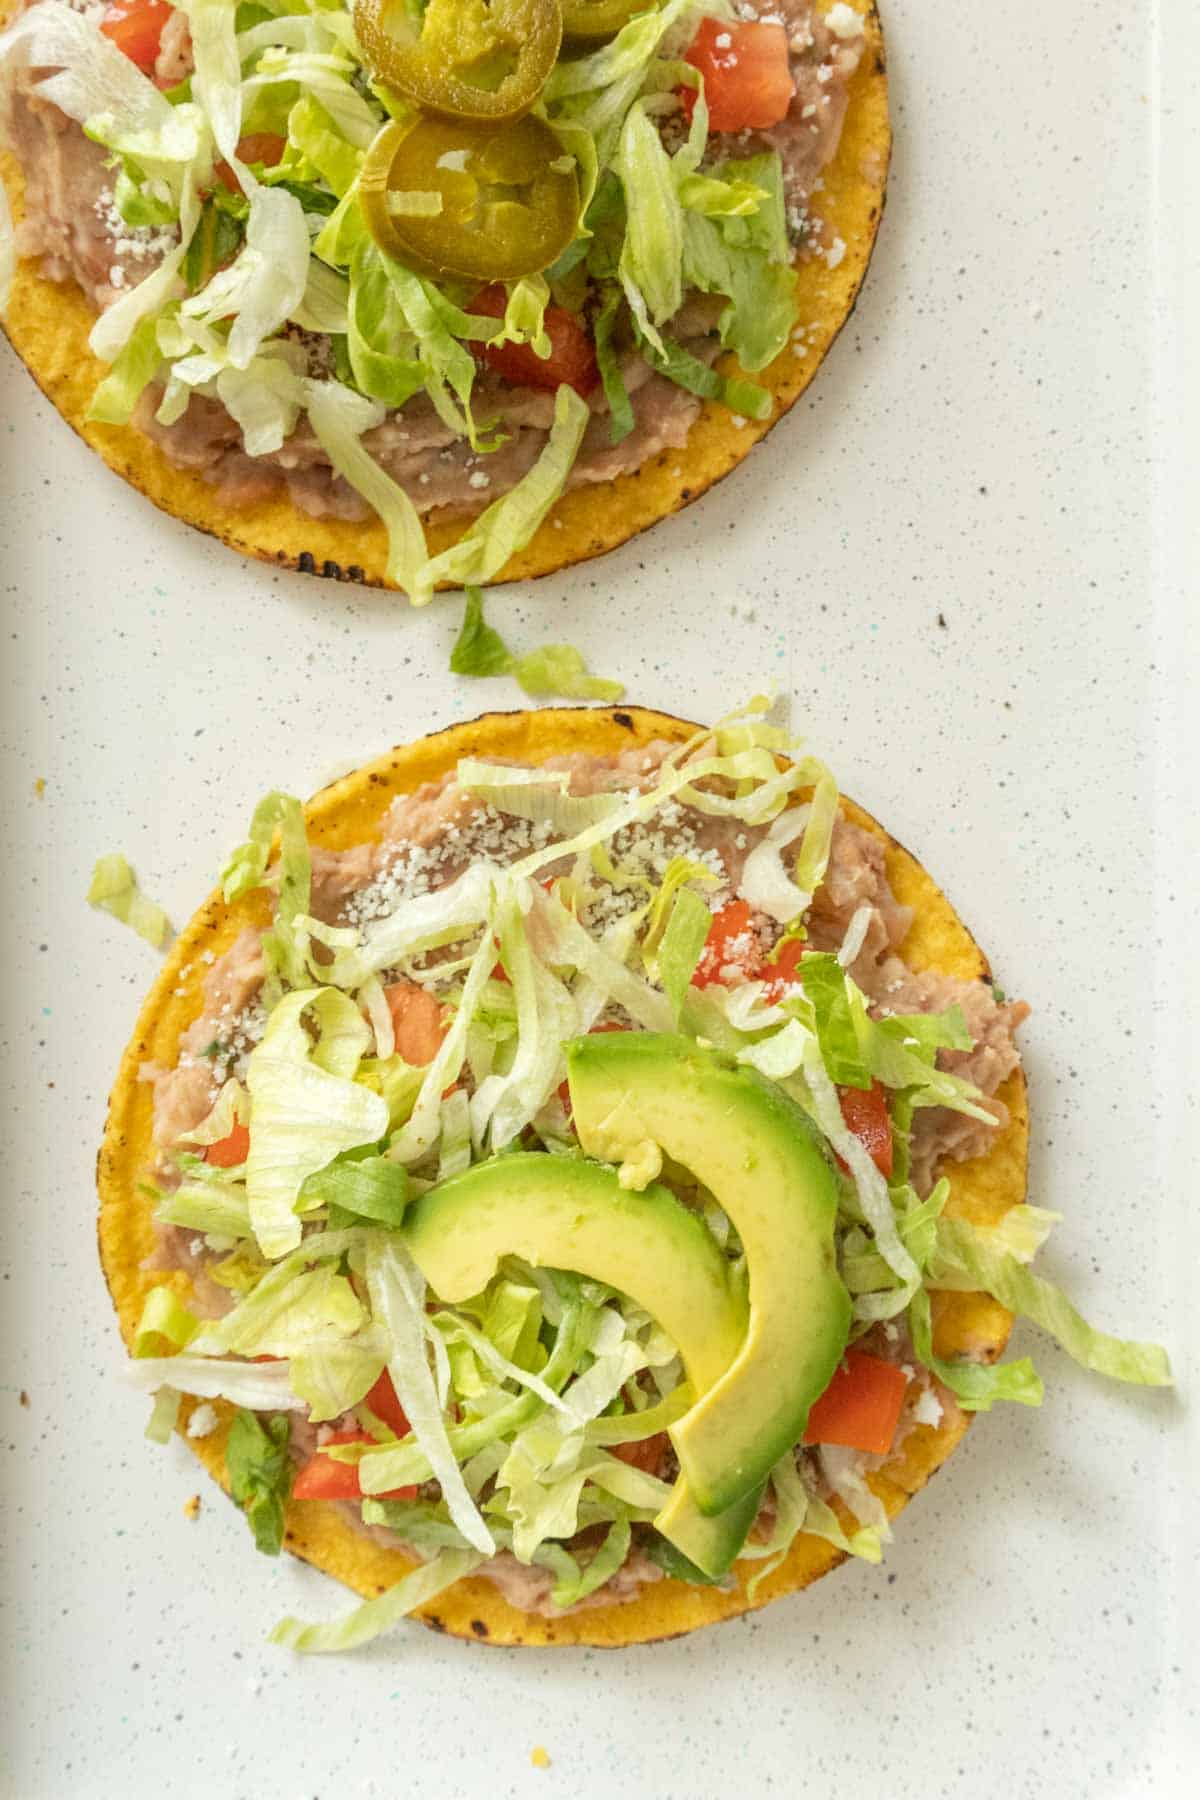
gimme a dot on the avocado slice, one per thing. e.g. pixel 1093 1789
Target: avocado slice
pixel 561 1213
pixel 715 1543
pixel 636 1093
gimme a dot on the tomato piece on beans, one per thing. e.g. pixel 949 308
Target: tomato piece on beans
pixel 865 1113
pixel 782 970
pixel 418 1021
pixel 732 943
pixel 136 28
pixel 646 1455
pixel 265 147
pixel 322 1478
pixel 229 1152
pixel 747 77
pixel 572 357
pixel 861 1406
pixel 384 1404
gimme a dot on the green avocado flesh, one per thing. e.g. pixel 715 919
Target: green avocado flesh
pixel 755 1151
pixel 713 1544
pixel 558 1213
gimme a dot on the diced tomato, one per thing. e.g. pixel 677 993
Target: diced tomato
pixel 324 1479
pixel 229 1152
pixel 418 1020
pixel 262 147
pixel 732 942
pixel 265 147
pixel 781 972
pixel 646 1455
pixel 865 1113
pixel 747 80
pixel 564 1091
pixel 861 1405
pixel 384 1404
pixel 136 28
pixel 572 357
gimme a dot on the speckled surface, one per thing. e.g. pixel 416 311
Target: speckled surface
pixel 966 557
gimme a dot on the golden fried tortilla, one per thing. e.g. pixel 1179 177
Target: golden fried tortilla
pixel 48 326
pixel 350 812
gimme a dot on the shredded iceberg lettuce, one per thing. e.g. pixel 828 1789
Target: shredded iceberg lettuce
pixel 542 796
pixel 357 1188
pixel 416 1589
pixel 91 76
pixel 216 1208
pixel 651 265
pixel 503 1105
pixel 397 1290
pixel 682 942
pixel 164 1415
pixel 262 1387
pixel 305 1107
pixel 134 369
pixel 339 417
pixel 292 1309
pixel 510 522
pixel 247 865
pixel 976 1386
pixel 165 1324
pixel 964 1257
pixel 553 669
pixel 114 889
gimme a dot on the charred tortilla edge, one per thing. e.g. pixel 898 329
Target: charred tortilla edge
pixel 48 323
pixel 346 813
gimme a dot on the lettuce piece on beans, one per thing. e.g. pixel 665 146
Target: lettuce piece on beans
pixel 397 1292
pixel 339 417
pixel 355 1189
pixel 305 1107
pixel 509 523
pixel 135 368
pixel 682 942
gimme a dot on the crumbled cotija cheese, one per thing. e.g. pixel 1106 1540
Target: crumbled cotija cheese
pixel 203 1421
pixel 843 21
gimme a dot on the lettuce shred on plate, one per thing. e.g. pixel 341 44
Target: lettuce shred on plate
pixel 403 1019
pixel 114 889
pixel 551 670
pixel 209 200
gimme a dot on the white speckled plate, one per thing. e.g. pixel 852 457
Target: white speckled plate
pixel 970 556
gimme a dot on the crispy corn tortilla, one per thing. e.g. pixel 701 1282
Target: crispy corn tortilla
pixel 350 812
pixel 48 326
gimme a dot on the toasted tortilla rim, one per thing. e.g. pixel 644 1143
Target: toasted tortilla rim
pixel 347 812
pixel 48 323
